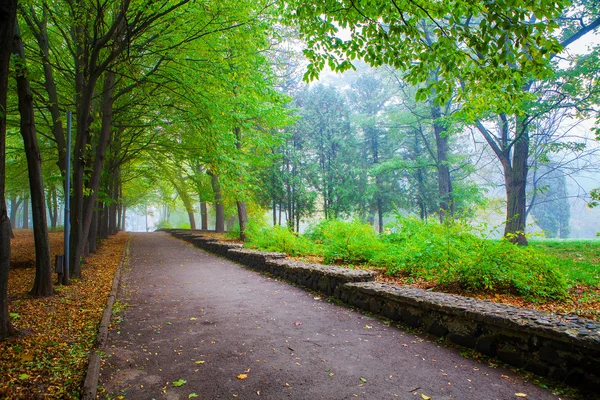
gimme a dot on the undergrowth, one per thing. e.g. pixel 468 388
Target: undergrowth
pixel 451 255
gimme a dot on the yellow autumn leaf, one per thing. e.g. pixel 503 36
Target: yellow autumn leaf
pixel 199 362
pixel 425 397
pixel 241 377
pixel 520 395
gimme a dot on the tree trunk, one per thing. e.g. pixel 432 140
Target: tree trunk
pixel 515 178
pixel 204 215
pixel 443 165
pixel 219 210
pixel 124 220
pixel 8 16
pixel 25 213
pixel 243 219
pixel 112 209
pixel 52 207
pixel 102 145
pixel 15 202
pixel 93 233
pixel 43 265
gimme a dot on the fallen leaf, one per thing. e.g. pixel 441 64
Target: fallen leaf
pixel 199 362
pixel 179 382
pixel 520 395
pixel 193 319
pixel 23 377
pixel 363 380
pixel 424 397
pixel 297 323
pixel 368 327
pixel 241 377
pixel 192 395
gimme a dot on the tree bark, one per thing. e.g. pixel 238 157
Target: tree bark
pixel 219 210
pixel 25 224
pixel 243 219
pixel 443 165
pixel 15 203
pixel 43 265
pixel 8 16
pixel 93 233
pixel 204 215
pixel 515 178
pixel 103 140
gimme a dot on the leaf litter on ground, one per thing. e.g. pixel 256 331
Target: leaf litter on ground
pixel 49 358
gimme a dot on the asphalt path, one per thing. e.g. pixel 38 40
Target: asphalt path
pixel 195 325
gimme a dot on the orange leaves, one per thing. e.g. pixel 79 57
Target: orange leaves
pixel 50 359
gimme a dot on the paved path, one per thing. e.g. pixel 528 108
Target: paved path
pixel 196 317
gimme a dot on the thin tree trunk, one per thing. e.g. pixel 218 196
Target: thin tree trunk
pixel 43 266
pixel 204 215
pixel 8 16
pixel 243 219
pixel 443 165
pixel 124 220
pixel 112 209
pixel 15 202
pixel 219 211
pixel 102 145
pixel 25 213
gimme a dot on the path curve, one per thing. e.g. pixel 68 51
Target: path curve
pixel 230 332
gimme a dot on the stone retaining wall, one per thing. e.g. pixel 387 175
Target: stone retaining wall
pixel 563 347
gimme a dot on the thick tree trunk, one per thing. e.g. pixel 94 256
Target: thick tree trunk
pixel 515 179
pixel 8 16
pixel 93 233
pixel 219 210
pixel 43 265
pixel 204 215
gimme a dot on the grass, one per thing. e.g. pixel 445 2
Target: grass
pixel 579 260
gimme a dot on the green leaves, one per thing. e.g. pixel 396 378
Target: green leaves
pixel 472 44
pixel 179 383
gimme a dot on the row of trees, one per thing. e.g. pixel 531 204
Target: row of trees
pixel 178 98
pixel 161 92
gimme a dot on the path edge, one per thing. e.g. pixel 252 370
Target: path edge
pixel 90 385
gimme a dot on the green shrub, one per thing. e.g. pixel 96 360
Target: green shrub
pixel 282 240
pixel 346 242
pixel 453 256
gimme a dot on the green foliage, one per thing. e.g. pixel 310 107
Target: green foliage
pixel 453 255
pixel 576 259
pixel 280 239
pixel 346 242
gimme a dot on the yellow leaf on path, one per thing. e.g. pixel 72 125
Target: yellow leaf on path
pixel 199 362
pixel 193 319
pixel 425 397
pixel 241 377
pixel 520 395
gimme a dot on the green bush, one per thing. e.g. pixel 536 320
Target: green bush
pixel 280 239
pixel 453 256
pixel 346 242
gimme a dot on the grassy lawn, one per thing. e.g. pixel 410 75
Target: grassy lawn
pixel 579 260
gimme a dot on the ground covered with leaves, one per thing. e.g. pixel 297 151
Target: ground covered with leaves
pixel 49 357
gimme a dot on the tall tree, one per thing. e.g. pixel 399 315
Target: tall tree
pixel 8 17
pixel 43 267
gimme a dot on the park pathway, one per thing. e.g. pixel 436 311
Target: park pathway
pixel 198 326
